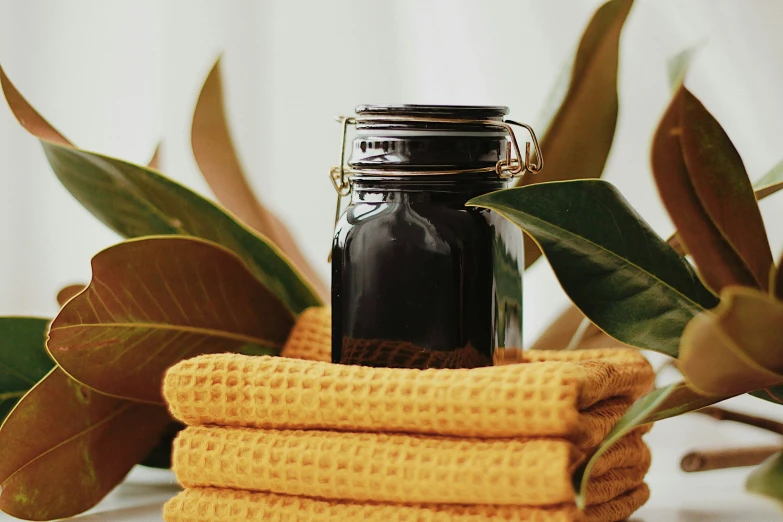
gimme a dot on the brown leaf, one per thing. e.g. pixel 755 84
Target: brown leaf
pixel 64 295
pixel 155 159
pixel 29 117
pixel 36 125
pixel 697 200
pixel 722 184
pixel 736 348
pixel 155 301
pixel 577 142
pixel 217 158
pixel 65 446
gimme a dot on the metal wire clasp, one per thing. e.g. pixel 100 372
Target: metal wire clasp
pixel 514 165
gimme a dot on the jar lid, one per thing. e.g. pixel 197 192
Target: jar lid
pixel 400 119
pixel 468 112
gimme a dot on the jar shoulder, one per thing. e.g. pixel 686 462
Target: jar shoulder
pixel 412 223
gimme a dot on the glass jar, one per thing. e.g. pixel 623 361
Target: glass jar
pixel 419 280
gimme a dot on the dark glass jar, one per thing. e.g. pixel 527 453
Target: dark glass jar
pixel 419 280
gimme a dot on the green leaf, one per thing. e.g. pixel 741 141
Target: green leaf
pixel 137 201
pixel 767 479
pixel 736 348
pixel 614 268
pixel 659 404
pixel 770 183
pixel 708 195
pixel 64 447
pixel 576 143
pixel 219 162
pixel 23 358
pixel 155 301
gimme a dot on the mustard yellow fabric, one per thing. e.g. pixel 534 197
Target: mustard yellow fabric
pixel 401 468
pixel 299 438
pixel 227 505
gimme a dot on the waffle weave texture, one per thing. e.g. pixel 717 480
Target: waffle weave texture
pixel 401 468
pixel 226 505
pixel 299 438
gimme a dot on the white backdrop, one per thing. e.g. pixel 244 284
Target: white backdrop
pixel 118 76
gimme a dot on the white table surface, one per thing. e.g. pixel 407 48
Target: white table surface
pixel 715 496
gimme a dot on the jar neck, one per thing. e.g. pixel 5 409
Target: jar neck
pixel 446 188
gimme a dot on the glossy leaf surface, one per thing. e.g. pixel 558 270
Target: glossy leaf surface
pixel 736 348
pixel 64 447
pixel 155 301
pixel 614 268
pixel 576 143
pixel 219 162
pixel 708 195
pixel 137 201
pixel 659 404
pixel 23 358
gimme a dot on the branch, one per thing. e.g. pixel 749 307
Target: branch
pixel 728 458
pixel 750 420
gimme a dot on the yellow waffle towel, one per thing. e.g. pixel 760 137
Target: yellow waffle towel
pixel 226 505
pixel 276 434
pixel 401 468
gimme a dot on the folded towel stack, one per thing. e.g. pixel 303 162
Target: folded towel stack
pixel 298 438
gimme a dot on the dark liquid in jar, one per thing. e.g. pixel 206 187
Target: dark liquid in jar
pixel 421 281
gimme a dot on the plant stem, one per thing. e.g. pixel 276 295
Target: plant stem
pixel 750 420
pixel 729 458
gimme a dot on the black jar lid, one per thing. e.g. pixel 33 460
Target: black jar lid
pixel 394 137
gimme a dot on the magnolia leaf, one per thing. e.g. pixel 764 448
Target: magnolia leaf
pixel 767 479
pixel 65 446
pixel 28 117
pixel 770 183
pixel 64 295
pixel 576 143
pixel 613 267
pixel 136 201
pixel 155 301
pixel 219 162
pixel 23 358
pixel 155 159
pixel 736 348
pixel 659 404
pixel 706 191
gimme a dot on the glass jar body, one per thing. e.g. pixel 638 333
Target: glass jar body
pixel 419 280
